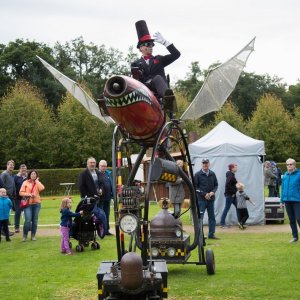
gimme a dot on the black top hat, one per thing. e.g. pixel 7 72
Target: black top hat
pixel 143 33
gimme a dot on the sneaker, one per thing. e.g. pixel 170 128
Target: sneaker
pixel 8 239
pixel 69 253
pixel 294 240
pixel 213 237
pixel 224 226
pixel 24 239
pixel 109 233
pixel 17 230
pixel 240 226
pixel 33 238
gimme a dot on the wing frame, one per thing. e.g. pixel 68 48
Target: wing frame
pixel 218 78
pixel 78 93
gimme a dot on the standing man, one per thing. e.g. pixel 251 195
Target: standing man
pixel 90 183
pixel 290 196
pixel 19 179
pixel 149 69
pixel 8 182
pixel 107 191
pixel 269 178
pixel 206 185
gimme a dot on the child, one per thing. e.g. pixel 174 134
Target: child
pixel 5 207
pixel 66 224
pixel 242 211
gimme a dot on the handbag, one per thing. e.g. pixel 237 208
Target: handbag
pixel 25 199
pixel 24 202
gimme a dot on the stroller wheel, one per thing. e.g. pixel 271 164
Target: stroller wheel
pixel 95 246
pixel 79 248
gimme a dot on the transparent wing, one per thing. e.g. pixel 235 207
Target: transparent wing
pixel 73 87
pixel 218 85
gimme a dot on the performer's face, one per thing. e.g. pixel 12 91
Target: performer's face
pixel 147 48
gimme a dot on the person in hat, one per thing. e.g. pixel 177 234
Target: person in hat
pixel 206 185
pixel 149 69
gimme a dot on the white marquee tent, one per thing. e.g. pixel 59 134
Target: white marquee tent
pixel 224 145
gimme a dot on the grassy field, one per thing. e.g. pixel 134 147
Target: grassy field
pixel 248 266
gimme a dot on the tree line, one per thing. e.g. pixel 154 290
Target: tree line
pixel 44 126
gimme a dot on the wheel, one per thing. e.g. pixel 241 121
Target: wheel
pixel 70 245
pixel 210 262
pixel 98 245
pixel 93 246
pixel 81 247
pixel 78 248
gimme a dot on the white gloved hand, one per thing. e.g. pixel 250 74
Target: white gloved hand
pixel 160 39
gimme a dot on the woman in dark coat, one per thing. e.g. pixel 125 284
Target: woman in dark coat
pixel 230 191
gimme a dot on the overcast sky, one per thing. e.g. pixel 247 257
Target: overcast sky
pixel 203 31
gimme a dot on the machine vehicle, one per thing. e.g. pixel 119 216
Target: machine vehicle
pixel 143 247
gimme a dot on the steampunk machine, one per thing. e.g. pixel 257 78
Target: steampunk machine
pixel 144 247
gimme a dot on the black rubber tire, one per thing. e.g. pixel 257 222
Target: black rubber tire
pixel 93 246
pixel 210 262
pixel 81 248
pixel 78 248
pixel 98 245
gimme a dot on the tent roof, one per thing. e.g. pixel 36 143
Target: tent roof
pixel 225 140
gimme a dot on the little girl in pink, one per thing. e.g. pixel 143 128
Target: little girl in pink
pixel 66 224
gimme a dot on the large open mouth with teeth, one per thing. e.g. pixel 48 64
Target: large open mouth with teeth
pixel 135 96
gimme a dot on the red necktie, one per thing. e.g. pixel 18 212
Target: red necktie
pixel 146 57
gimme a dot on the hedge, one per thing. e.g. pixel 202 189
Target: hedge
pixel 51 178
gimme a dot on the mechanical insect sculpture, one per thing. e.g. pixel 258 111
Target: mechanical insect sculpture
pixel 140 119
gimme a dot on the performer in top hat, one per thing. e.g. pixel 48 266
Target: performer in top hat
pixel 149 69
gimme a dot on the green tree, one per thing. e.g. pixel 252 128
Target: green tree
pixel 18 61
pixel 230 114
pixel 192 83
pixel 80 135
pixel 274 125
pixel 251 87
pixel 26 127
pixel 292 99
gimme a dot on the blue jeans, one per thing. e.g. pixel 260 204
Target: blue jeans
pixel 31 214
pixel 210 206
pixel 293 211
pixel 18 212
pixel 105 205
pixel 229 200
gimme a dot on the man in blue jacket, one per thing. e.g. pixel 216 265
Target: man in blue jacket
pixel 290 196
pixel 206 185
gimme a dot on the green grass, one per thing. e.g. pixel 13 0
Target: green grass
pixel 248 266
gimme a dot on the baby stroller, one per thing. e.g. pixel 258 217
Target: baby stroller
pixel 91 223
